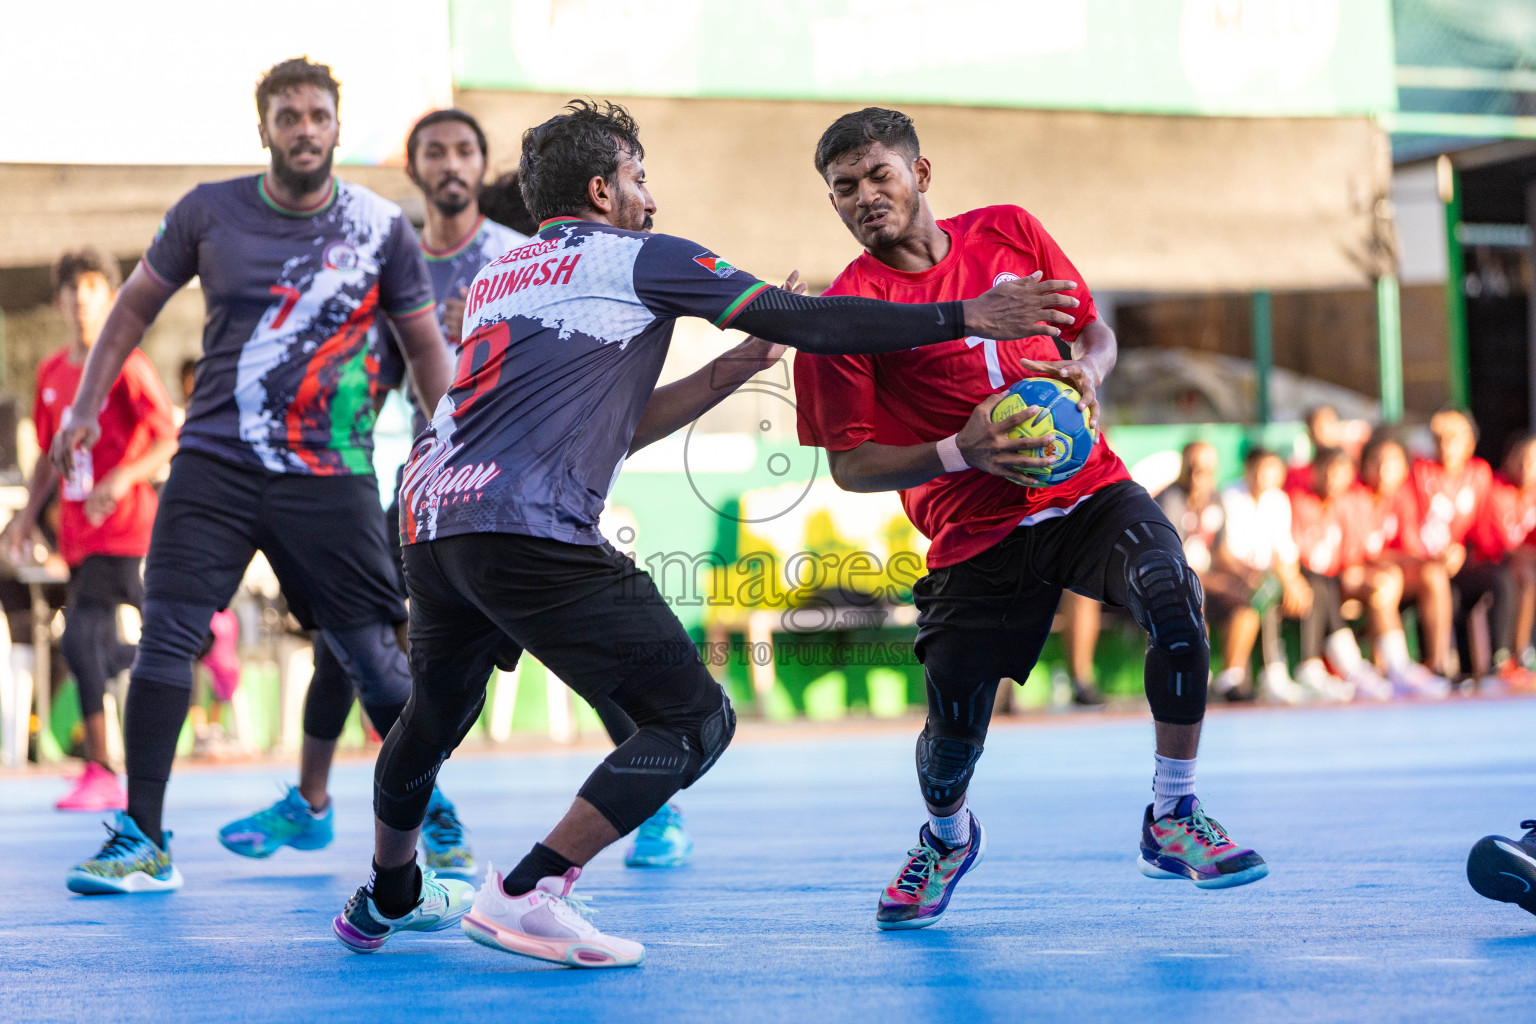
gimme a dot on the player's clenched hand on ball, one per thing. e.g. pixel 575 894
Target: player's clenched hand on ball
pixel 1084 380
pixel 987 446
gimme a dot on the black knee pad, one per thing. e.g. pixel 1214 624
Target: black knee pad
pixel 1165 596
pixel 945 763
pixel 373 660
pixel 172 634
pixel 662 758
pixel 413 753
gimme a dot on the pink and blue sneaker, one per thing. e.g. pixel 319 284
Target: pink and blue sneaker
pixel 919 894
pixel 1187 844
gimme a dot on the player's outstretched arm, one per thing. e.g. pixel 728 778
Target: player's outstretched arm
pixel 678 404
pixel 426 356
pixel 981 444
pixel 138 302
pixel 850 325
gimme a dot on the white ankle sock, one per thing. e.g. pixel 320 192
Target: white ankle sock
pixel 1343 651
pixel 1393 646
pixel 1172 780
pixel 953 831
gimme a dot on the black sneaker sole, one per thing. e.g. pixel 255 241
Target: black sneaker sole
pixel 1500 869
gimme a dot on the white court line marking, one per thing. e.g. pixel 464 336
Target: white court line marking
pixel 1064 952
pixel 1196 956
pixel 1326 958
pixel 1453 960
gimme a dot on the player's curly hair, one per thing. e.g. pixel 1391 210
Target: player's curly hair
pixel 566 152
pixel 294 72
pixel 68 268
pixel 861 129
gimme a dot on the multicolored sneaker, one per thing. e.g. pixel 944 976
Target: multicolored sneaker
pixel 443 846
pixel 289 822
pixel 127 862
pixel 97 789
pixel 1504 869
pixel 1187 844
pixel 661 841
pixel 549 922
pixel 919 894
pixel 362 929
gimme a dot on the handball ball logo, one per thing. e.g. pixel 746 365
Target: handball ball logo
pixel 340 256
pixel 763 444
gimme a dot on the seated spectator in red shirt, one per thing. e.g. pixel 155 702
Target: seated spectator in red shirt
pixel 1503 533
pixel 1452 489
pixel 106 509
pixel 1324 431
pixel 1394 539
pixel 1332 527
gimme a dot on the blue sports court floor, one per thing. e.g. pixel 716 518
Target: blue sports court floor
pixel 1365 814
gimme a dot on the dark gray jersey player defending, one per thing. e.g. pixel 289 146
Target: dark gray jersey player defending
pixel 564 338
pixel 276 451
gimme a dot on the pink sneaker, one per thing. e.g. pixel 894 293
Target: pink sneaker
pixel 547 923
pixel 96 790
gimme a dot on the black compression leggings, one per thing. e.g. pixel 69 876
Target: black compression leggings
pixel 1326 616
pixel 93 652
pixel 1494 581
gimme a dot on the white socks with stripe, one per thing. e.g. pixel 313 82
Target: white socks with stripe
pixel 1172 780
pixel 953 831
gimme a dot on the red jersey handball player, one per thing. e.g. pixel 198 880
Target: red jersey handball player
pixel 919 421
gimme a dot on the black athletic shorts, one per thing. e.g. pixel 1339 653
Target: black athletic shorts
pixel 323 535
pixel 106 581
pixel 585 611
pixel 1005 598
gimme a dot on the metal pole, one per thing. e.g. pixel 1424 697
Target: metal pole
pixel 1389 346
pixel 1263 352
pixel 1455 298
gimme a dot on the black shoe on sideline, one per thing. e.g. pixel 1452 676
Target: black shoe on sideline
pixel 1504 869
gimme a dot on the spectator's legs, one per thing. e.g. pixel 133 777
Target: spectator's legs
pixel 1429 586
pixel 1081 638
pixel 1494 581
pixel 1522 563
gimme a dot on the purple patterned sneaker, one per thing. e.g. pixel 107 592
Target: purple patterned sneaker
pixel 919 894
pixel 1187 844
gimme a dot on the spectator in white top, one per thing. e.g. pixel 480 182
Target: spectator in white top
pixel 1253 567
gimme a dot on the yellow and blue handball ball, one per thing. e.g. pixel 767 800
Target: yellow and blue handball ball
pixel 1059 419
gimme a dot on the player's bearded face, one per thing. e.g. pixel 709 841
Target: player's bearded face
pixel 877 196
pixel 633 203
pixel 302 180
pixel 301 131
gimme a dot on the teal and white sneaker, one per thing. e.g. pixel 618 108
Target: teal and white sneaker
pixel 661 841
pixel 362 929
pixel 1186 843
pixel 289 822
pixel 127 862
pixel 919 894
pixel 444 848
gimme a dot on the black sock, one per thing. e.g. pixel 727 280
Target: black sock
pixel 152 718
pixel 541 862
pixel 146 799
pixel 395 891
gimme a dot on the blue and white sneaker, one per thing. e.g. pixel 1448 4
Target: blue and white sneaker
pixel 661 841
pixel 289 822
pixel 444 847
pixel 126 863
pixel 362 929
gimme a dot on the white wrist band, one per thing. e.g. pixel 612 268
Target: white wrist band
pixel 949 455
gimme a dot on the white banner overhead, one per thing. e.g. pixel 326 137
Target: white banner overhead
pixel 173 81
